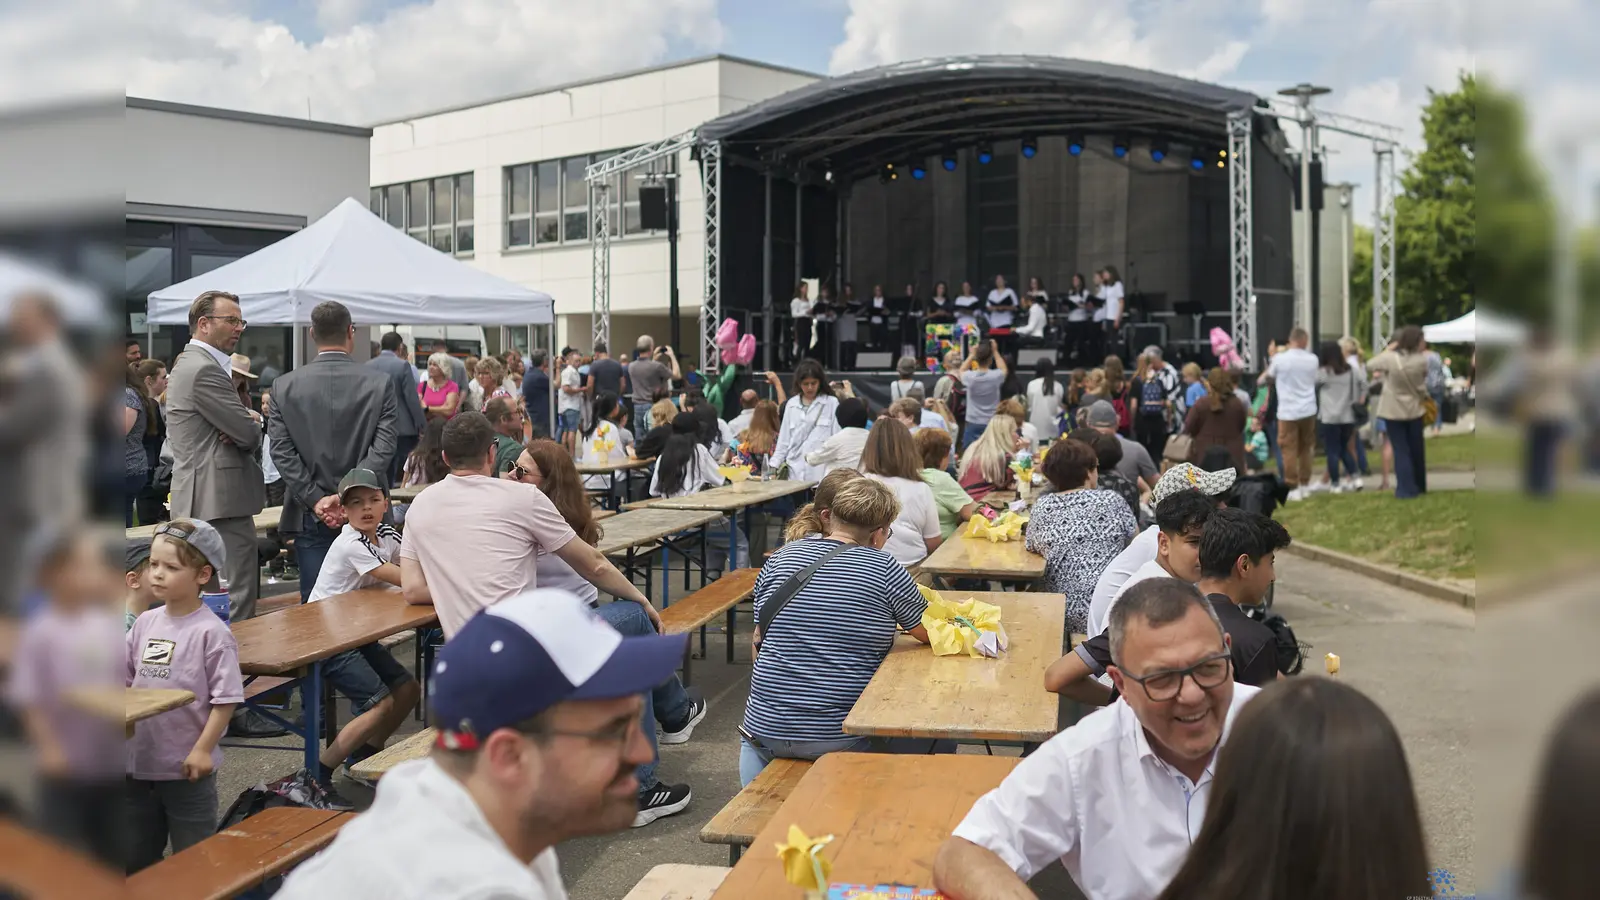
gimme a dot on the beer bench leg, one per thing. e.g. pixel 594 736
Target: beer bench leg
pixel 310 699
pixel 666 576
pixel 731 611
pixel 734 852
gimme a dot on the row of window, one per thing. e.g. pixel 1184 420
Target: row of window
pixel 546 203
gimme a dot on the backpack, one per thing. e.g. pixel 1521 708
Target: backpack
pixel 1124 419
pixel 1150 396
pixel 1291 655
pixel 958 399
pixel 299 789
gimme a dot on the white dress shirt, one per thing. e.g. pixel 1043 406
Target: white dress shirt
pixel 739 423
pixel 1001 318
pixel 222 359
pixel 1295 373
pixel 1036 320
pixel 1113 298
pixel 1097 797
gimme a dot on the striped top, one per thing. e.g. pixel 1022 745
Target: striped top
pixel 828 641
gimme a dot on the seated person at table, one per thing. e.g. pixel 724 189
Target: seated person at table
pixel 1182 477
pixel 843 450
pixel 546 466
pixel 650 444
pixel 1117 796
pixel 891 459
pixel 426 464
pixel 814 519
pixel 182 645
pixel 505 417
pixel 757 439
pixel 1027 432
pixel 140 594
pixel 907 412
pixel 986 463
pixel 1108 451
pixel 686 467
pixel 1078 530
pixel 605 426
pixel 809 672
pixel 72 643
pixel 537 745
pixel 1338 819
pixel 953 503
pixel 380 690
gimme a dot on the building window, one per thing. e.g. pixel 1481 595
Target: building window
pixel 437 211
pixel 547 202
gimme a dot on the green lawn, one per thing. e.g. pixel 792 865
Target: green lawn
pixel 1520 535
pixel 1431 536
pixel 1451 453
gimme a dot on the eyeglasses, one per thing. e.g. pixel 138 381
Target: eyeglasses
pixel 1208 674
pixel 235 321
pixel 614 735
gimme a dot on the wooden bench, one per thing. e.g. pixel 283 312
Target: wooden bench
pixel 414 747
pixel 724 595
pixel 675 881
pixel 237 859
pixel 738 823
pixel 266 684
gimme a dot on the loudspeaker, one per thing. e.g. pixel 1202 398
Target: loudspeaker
pixel 653 207
pixel 873 359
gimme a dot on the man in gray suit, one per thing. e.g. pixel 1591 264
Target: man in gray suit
pixel 212 436
pixel 329 416
pixel 394 363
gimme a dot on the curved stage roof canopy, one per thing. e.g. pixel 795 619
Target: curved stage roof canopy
pixel 852 124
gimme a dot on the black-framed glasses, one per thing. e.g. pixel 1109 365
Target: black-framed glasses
pixel 1208 674
pixel 235 321
pixel 616 734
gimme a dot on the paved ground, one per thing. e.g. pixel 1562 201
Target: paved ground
pixel 1409 652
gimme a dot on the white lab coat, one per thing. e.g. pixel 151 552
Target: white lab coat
pixel 803 430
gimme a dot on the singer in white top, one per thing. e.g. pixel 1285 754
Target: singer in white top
pixel 967 305
pixel 800 311
pixel 1002 302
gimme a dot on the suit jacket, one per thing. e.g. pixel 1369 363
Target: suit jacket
pixel 403 385
pixel 211 478
pixel 328 417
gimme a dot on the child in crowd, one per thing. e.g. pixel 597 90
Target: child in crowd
pixel 72 643
pixel 379 688
pixel 172 760
pixel 140 595
pixel 843 449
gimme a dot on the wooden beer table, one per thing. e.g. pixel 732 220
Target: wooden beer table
pixel 966 557
pixel 729 499
pixel 624 534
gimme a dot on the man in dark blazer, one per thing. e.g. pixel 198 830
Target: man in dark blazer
pixel 212 436
pixel 329 416
pixel 393 362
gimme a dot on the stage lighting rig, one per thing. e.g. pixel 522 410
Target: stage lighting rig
pixel 1197 160
pixel 1075 144
pixel 1119 147
pixel 887 173
pixel 917 171
pixel 948 161
pixel 1030 147
pixel 985 153
pixel 1158 151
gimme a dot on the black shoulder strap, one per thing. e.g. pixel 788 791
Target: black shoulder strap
pixel 789 588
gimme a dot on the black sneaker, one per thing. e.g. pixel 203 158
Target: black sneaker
pixel 697 711
pixel 335 800
pixel 661 800
pixel 247 723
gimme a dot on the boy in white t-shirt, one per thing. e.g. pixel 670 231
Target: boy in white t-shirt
pixel 379 688
pixel 570 404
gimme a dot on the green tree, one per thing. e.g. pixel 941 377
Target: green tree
pixel 1435 218
pixel 1516 214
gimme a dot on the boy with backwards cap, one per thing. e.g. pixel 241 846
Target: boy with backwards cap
pixel 538 702
pixel 379 688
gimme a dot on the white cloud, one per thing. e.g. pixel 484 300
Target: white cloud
pixel 407 59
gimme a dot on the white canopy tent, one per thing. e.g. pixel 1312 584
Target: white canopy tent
pixel 1474 329
pixel 78 303
pixel 377 271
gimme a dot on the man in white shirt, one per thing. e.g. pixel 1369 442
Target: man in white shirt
pixel 747 411
pixel 1294 372
pixel 1002 301
pixel 537 704
pixel 570 404
pixel 1118 797
pixel 1036 318
pixel 1145 545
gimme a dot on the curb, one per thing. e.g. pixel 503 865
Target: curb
pixel 1466 597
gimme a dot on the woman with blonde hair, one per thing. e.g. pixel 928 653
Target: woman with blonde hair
pixel 1093 388
pixel 949 418
pixel 1028 433
pixel 756 442
pixel 650 444
pixel 986 464
pixel 1194 380
pixel 441 397
pixel 891 458
pixel 811 520
pixel 804 684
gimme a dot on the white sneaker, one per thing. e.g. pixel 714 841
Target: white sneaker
pixel 1298 494
pixel 1343 487
pixel 1319 487
pixel 1356 484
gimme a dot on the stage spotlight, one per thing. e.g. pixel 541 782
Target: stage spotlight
pixel 1158 151
pixel 1030 147
pixel 887 173
pixel 1197 162
pixel 1119 147
pixel 949 162
pixel 985 153
pixel 1075 146
pixel 918 172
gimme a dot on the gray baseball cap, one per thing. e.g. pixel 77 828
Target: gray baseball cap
pixel 360 478
pixel 1101 415
pixel 201 536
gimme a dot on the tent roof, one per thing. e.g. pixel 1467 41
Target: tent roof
pixel 78 303
pixel 1473 328
pixel 376 270
pixel 855 122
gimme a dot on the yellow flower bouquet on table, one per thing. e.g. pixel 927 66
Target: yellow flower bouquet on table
pixel 604 441
pixel 803 865
pixel 970 626
pixel 1007 526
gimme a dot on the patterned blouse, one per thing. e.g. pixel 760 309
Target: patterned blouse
pixel 1078 533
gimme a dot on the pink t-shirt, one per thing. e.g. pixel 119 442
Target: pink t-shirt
pixel 56 652
pixel 478 540
pixel 431 397
pixel 195 653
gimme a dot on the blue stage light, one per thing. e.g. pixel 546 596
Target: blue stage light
pixel 1030 147
pixel 949 162
pixel 1075 148
pixel 918 172
pixel 985 153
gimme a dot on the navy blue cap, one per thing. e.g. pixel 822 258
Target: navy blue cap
pixel 522 656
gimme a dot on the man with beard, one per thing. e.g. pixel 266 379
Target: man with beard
pixel 538 704
pixel 1119 796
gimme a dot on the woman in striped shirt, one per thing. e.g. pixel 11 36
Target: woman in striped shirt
pixel 809 670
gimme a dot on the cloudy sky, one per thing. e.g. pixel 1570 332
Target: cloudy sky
pixel 361 61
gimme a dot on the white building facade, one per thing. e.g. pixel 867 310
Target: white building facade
pixel 501 184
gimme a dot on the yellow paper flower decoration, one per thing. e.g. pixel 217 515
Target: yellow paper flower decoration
pixel 803 864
